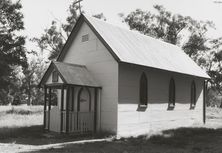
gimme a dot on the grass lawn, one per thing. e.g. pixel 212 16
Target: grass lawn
pixel 21 131
pixel 20 116
pixel 183 140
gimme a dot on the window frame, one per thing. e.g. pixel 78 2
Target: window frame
pixel 85 38
pixel 55 76
pixel 143 91
pixel 172 94
pixel 193 93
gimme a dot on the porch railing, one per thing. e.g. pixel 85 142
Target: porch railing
pixel 79 122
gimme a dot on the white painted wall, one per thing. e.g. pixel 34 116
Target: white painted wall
pixel 55 117
pixel 134 121
pixel 103 67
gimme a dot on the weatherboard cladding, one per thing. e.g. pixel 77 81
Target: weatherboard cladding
pixel 135 48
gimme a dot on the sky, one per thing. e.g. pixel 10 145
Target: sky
pixel 38 14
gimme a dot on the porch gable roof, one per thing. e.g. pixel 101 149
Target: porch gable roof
pixel 72 74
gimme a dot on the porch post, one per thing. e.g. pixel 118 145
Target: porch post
pixel 73 100
pixel 62 102
pixel 45 100
pixel 67 108
pixel 204 101
pixel 72 108
pixel 50 92
pixel 95 110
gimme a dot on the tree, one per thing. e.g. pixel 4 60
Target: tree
pixel 13 89
pixel 164 25
pixel 198 41
pixel 56 35
pixel 12 50
pixel 215 65
pixel 31 78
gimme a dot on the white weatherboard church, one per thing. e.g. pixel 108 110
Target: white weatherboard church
pixel 111 79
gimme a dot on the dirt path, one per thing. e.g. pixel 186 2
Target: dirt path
pixel 13 147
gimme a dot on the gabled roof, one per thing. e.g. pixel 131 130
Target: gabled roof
pixel 71 74
pixel 132 47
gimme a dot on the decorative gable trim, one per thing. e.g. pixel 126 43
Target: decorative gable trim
pixel 49 71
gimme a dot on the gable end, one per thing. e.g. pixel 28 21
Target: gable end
pixel 74 33
pixel 48 72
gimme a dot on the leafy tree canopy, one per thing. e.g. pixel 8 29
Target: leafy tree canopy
pixel 12 50
pixel 164 25
pixel 31 78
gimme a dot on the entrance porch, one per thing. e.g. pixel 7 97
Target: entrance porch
pixel 71 99
pixel 70 108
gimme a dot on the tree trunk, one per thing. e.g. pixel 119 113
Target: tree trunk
pixel 29 94
pixel 221 103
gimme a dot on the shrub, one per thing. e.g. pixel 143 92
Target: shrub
pixel 21 111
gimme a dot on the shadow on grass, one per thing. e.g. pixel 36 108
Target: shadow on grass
pixel 35 135
pixel 183 140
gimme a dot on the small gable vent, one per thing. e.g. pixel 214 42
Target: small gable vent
pixel 85 38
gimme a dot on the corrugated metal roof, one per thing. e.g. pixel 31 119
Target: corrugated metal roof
pixel 75 74
pixel 133 47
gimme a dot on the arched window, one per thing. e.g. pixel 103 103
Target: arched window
pixel 143 90
pixel 193 95
pixel 172 93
